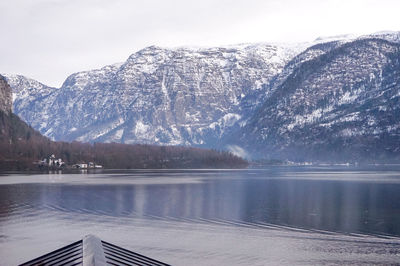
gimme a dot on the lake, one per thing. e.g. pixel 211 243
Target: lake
pixel 274 216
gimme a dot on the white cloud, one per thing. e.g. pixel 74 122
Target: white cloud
pixel 49 39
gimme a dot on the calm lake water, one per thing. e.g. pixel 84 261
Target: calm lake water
pixel 274 216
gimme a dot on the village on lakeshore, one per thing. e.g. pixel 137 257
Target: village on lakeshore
pixel 53 163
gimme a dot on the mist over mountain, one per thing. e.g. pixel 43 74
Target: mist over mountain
pixel 319 100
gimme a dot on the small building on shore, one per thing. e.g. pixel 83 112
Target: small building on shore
pixel 90 165
pixel 81 165
pixel 52 163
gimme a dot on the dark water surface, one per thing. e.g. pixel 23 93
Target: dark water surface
pixel 353 211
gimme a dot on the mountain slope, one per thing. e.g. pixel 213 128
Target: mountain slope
pixel 344 102
pixel 16 137
pixel 12 129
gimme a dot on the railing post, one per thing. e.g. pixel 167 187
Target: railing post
pixel 93 253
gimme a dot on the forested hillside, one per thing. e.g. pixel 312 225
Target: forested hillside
pixel 20 146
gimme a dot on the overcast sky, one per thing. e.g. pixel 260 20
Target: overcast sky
pixel 49 39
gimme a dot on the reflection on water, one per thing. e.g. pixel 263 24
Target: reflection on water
pixel 333 200
pixel 249 196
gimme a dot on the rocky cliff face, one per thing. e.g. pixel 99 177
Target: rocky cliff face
pixel 5 96
pixel 164 96
pixel 344 101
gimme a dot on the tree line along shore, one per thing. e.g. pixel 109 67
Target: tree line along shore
pixel 21 146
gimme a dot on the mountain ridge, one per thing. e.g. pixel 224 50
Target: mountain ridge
pixel 199 96
pixel 167 79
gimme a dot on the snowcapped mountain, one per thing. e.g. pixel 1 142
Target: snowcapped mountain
pixel 165 96
pixel 273 100
pixel 344 102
